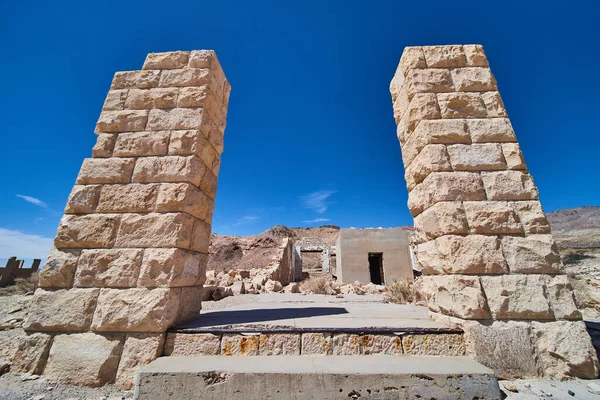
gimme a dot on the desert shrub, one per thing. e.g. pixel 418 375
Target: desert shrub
pixel 574 258
pixel 400 292
pixel 21 286
pixel 317 285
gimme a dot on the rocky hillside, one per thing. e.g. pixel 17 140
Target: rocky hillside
pixel 576 228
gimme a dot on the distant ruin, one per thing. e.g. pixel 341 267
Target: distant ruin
pixel 15 269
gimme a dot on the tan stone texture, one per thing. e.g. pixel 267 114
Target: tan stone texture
pixel 234 344
pixel 434 345
pixel 476 157
pixel 169 169
pixel 509 185
pixel 412 57
pixel 86 359
pixel 166 60
pixel 171 268
pixel 534 254
pixel 381 344
pixel 492 217
pixel 201 237
pixel 454 186
pixel 115 100
pixel 473 79
pixel 209 184
pixel 141 99
pixel 196 96
pixel 135 79
pixel 59 270
pixel 136 310
pixel 104 145
pixel 176 118
pixel 185 197
pixel 475 55
pixel 491 130
pixel 461 105
pixel 202 58
pixel 422 106
pixel 418 199
pixel 139 349
pixel 188 142
pixel 190 302
pixel 105 170
pixel 532 217
pixel 186 345
pixel 316 344
pixel 428 257
pixel 32 353
pixel 428 81
pixel 155 230
pixel 122 121
pixel 561 297
pixel 108 268
pixel 346 344
pixel 456 296
pixel 473 254
pixel 185 77
pixel 141 144
pixel 513 156
pixel 61 310
pixel 494 104
pixel 83 199
pixel 442 218
pixel 517 297
pixel 451 56
pixel 432 158
pixel 127 198
pixel 565 350
pixel 275 344
pixel 86 231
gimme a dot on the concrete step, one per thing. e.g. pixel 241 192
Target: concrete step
pixel 316 377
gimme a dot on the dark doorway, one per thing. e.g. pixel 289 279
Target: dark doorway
pixel 376 268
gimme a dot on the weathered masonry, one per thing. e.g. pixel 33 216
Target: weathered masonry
pixel 373 255
pixel 131 250
pixel 489 261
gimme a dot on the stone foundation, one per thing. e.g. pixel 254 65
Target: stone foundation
pixel 489 262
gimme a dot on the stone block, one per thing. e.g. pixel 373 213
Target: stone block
pixel 234 344
pixel 171 268
pixel 432 158
pixel 108 268
pixel 105 170
pixel 32 353
pixel 401 103
pixel 105 143
pixel 216 137
pixel 315 343
pixel 532 216
pixel 461 105
pixel 135 79
pixel 514 157
pixel 142 99
pixel 428 81
pixel 435 131
pixel 135 310
pixel 191 301
pixel 198 344
pixel 209 184
pixel 196 96
pixel 185 77
pixel 428 257
pixel 139 349
pixel 451 56
pixel 565 350
pixel 412 57
pixel 475 55
pixel 188 142
pixel 494 104
pixel 127 198
pixel 173 197
pixel 346 344
pixel 491 130
pixel 509 185
pixel 86 359
pixel 456 296
pixel 561 297
pixel 155 230
pixel 86 231
pixel 276 344
pixel 505 347
pixel 202 58
pixel 434 345
pixel 169 169
pixel 122 121
pixel 517 297
pixel 201 237
pixel 115 100
pixel 534 254
pixel 83 199
pixel 492 217
pixel 61 310
pixel 422 106
pixel 177 118
pixel 473 79
pixel 381 344
pixel 473 254
pixel 454 186
pixel 442 219
pixel 167 60
pixel 59 270
pixel 141 144
pixel 476 157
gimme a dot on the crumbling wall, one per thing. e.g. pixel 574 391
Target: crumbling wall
pixel 130 252
pixel 485 249
pixel 14 270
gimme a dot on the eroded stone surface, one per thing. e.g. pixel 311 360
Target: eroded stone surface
pixel 182 345
pixel 234 344
pixel 274 344
pixel 139 349
pixel 316 344
pixel 517 297
pixel 434 345
pixel 32 353
pixel 381 344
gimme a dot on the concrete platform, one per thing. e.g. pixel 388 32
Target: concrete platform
pixel 316 377
pixel 317 313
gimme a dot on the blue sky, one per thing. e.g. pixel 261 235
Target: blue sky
pixel 310 134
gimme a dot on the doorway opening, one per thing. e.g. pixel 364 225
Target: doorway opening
pixel 376 268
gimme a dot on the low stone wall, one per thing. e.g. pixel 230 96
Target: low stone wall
pixel 14 270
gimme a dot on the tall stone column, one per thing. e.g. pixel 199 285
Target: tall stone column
pixel 131 250
pixel 489 262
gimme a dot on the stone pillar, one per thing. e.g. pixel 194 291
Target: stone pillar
pixel 131 250
pixel 489 262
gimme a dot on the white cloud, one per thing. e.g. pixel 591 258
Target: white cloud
pixel 317 201
pixel 246 219
pixel 312 221
pixel 33 200
pixel 23 245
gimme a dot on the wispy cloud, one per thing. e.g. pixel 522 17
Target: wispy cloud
pixel 318 201
pixel 246 219
pixel 312 221
pixel 23 245
pixel 33 200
